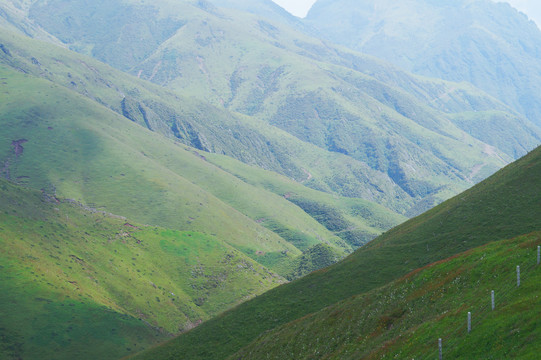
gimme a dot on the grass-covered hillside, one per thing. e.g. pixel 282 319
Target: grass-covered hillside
pixel 14 17
pixel 80 283
pixel 203 126
pixel 61 142
pixel 324 96
pixel 368 119
pixel 405 318
pixel 75 106
pixel 354 220
pixel 100 286
pixel 504 206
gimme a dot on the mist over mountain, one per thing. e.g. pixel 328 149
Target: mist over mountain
pixel 488 44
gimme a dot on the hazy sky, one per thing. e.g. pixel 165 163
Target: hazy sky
pixel 296 7
pixel 532 8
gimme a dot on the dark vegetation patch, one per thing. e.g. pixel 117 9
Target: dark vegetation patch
pixel 330 217
pixel 5 50
pixel 300 240
pixel 334 220
pixel 316 257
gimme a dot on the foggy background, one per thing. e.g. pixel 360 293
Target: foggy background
pixel 532 8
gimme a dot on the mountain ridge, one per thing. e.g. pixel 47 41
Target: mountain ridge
pixel 421 181
pixel 488 44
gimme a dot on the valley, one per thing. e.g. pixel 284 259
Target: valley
pixel 502 207
pixel 218 179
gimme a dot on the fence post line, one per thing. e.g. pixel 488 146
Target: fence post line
pixel 493 302
pixel 440 348
pixel 469 322
pixel 518 275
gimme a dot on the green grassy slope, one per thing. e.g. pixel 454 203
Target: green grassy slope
pixel 490 127
pixel 405 318
pixel 116 28
pixel 108 87
pixel 14 16
pixel 77 144
pixel 90 154
pixel 202 126
pixel 319 102
pixel 81 283
pixel 503 206
pixel 352 219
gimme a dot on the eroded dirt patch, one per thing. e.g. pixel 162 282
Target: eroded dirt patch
pixel 18 146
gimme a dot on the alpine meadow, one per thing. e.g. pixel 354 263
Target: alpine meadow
pixel 222 180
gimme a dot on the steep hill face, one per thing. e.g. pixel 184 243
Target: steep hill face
pixel 69 263
pixel 387 124
pixel 14 16
pixel 405 318
pixel 122 34
pixel 86 152
pixel 193 122
pixel 503 206
pixel 486 43
pixel 82 283
pixel 204 126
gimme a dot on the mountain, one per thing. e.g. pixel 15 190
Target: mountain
pixel 104 87
pixel 14 17
pixel 486 43
pixel 251 151
pixel 501 207
pixel 267 9
pixel 78 279
pixel 202 126
pixel 381 121
pixel 210 229
pixel 205 258
pixel 342 111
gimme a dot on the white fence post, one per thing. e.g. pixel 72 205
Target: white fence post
pixel 469 322
pixel 538 255
pixel 441 349
pixel 518 275
pixel 493 302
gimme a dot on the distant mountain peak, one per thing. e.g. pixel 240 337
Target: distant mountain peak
pixel 488 44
